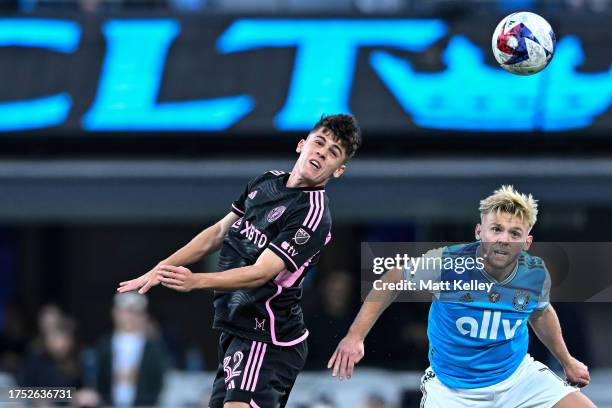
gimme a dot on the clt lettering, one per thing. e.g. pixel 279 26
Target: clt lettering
pixel 488 327
pixel 253 234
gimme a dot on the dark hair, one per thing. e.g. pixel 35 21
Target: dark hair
pixel 345 128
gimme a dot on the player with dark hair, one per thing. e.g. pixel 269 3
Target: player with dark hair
pixel 271 238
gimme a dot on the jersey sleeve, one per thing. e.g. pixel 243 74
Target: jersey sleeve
pixel 544 298
pixel 300 241
pixel 426 268
pixel 239 205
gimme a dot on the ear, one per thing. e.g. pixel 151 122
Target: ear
pixel 477 231
pixel 339 171
pixel 300 145
pixel 528 243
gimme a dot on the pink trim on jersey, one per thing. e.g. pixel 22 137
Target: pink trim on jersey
pixel 246 368
pixel 277 172
pixel 321 211
pixel 312 207
pixel 238 209
pixel 252 404
pixel 327 238
pixel 287 278
pixel 317 208
pixel 261 357
pixel 286 256
pixel 273 331
pixel 252 371
pixel 283 277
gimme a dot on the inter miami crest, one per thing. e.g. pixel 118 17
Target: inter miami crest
pixel 521 300
pixel 301 237
pixel 276 213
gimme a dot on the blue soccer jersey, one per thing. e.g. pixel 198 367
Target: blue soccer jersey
pixel 477 326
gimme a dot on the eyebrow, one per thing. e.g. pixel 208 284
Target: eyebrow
pixel 517 229
pixel 334 144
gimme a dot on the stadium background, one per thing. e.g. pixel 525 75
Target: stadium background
pixel 128 126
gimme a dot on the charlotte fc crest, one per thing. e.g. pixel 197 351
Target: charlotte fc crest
pixel 521 300
pixel 301 237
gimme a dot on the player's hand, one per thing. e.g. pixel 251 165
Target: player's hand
pixel 142 283
pixel 177 277
pixel 349 352
pixel 577 373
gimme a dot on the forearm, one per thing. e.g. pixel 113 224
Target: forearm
pixel 376 302
pixel 246 277
pixel 206 242
pixel 548 329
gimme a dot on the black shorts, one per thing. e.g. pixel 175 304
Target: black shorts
pixel 259 374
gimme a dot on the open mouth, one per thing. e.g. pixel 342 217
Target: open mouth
pixel 315 164
pixel 499 252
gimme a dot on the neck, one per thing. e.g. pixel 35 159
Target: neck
pixel 295 180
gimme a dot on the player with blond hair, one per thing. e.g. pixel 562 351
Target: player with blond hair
pixel 478 339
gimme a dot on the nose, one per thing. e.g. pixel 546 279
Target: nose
pixel 503 238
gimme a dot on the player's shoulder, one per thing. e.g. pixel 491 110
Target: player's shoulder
pixel 531 262
pixel 267 177
pixel 274 174
pixel 312 206
pixel 532 270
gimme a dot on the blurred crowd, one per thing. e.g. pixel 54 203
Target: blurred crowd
pixel 309 6
pixel 124 368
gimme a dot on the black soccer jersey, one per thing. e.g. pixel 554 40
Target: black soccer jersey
pixel 295 224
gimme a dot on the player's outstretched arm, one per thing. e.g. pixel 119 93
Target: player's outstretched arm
pixel 206 242
pixel 546 326
pixel 350 350
pixel 267 266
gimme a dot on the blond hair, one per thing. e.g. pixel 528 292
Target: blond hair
pixel 506 199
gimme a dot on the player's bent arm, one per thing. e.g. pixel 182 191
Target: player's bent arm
pixel 350 350
pixel 546 326
pixel 205 243
pixel 267 266
pixel 375 303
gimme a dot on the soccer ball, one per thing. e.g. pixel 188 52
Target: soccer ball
pixel 523 43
